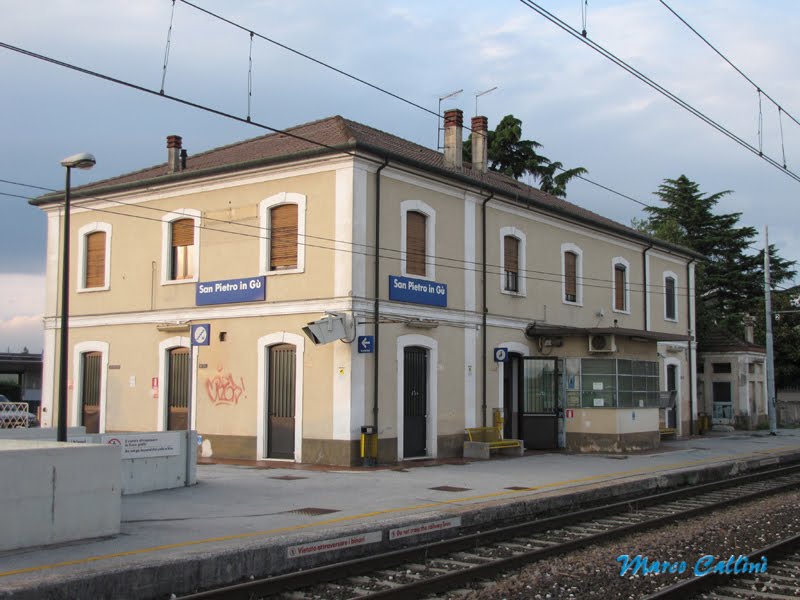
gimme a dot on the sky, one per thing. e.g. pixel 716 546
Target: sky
pixel 584 110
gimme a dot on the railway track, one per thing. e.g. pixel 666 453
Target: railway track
pixel 433 568
pixel 781 581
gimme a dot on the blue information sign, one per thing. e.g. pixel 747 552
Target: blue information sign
pixel 228 291
pixel 201 334
pixel 418 291
pixel 501 355
pixel 366 344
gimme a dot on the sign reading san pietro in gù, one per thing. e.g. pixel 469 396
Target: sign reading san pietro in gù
pixel 230 291
pixel 418 291
pixel 145 445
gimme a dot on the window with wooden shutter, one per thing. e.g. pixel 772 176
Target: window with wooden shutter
pixel 570 277
pixel 511 263
pixel 669 288
pixel 95 260
pixel 283 237
pixel 182 241
pixel 416 224
pixel 620 273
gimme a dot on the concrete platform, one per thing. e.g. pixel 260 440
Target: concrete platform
pixel 256 519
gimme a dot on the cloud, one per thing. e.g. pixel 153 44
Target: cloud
pixel 17 333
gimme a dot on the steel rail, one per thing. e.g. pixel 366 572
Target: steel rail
pixel 328 574
pixel 707 583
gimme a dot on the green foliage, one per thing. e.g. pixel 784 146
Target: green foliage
pixel 729 279
pixel 511 155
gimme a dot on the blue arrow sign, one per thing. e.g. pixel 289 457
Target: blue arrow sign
pixel 366 344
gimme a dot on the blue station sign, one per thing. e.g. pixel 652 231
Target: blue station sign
pixel 418 291
pixel 229 291
pixel 366 344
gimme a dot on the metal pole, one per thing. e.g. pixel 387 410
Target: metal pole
pixel 62 369
pixel 771 405
pixel 189 448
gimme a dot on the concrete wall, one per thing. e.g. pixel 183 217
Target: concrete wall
pixel 38 433
pixel 54 492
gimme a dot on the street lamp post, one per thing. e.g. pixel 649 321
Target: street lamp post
pixel 84 160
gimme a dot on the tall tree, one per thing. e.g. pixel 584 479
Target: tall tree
pixel 515 157
pixel 730 279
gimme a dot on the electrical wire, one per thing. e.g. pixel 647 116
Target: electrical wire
pixel 605 283
pixel 658 87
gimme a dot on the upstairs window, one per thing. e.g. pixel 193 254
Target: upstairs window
pixel 416 247
pixel 183 250
pixel 620 286
pixel 511 264
pixel 670 297
pixel 570 277
pixel 95 260
pixel 94 251
pixel 282 219
pixel 283 237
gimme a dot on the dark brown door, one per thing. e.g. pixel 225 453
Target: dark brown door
pixel 415 401
pixel 178 389
pixel 672 385
pixel 511 386
pixel 281 402
pixel 540 403
pixel 90 391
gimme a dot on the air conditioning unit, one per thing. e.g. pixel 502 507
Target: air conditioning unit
pixel 602 343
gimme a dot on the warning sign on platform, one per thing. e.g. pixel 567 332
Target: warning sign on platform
pixel 145 445
pixel 401 532
pixel 361 539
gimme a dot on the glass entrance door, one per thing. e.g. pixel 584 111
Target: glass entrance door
pixel 540 403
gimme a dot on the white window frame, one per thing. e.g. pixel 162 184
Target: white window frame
pixel 163 371
pixel 83 234
pixel 432 419
pixel 166 245
pixel 668 274
pixel 264 344
pixel 618 260
pixel 419 206
pixel 78 351
pixel 522 289
pixel 570 247
pixel 264 208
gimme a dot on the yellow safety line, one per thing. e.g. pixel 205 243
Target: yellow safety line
pixel 240 536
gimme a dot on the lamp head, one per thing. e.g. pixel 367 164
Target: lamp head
pixel 83 160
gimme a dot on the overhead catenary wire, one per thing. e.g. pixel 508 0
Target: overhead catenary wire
pixel 470 266
pixel 658 87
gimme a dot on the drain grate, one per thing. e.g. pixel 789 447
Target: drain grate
pixel 311 511
pixel 518 488
pixel 449 488
pixel 288 477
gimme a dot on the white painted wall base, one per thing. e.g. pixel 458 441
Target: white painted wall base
pixel 54 492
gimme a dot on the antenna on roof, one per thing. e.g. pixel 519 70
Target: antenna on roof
pixel 479 94
pixel 439 116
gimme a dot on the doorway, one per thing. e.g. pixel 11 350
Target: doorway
pixel 415 401
pixel 91 376
pixel 281 401
pixel 540 405
pixel 178 383
pixel 722 403
pixel 511 392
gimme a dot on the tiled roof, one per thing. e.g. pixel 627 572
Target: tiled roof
pixel 722 341
pixel 337 134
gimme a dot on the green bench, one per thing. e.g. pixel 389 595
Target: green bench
pixel 481 441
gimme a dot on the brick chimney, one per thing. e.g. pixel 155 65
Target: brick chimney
pixel 174 145
pixel 453 137
pixel 749 328
pixel 480 156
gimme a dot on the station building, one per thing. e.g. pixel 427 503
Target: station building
pixel 464 293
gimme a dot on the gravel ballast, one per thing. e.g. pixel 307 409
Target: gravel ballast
pixel 595 573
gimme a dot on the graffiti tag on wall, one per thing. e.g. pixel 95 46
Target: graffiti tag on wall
pixel 223 388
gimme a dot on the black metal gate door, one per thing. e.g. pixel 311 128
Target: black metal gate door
pixel 178 389
pixel 415 401
pixel 281 401
pixel 540 403
pixel 90 391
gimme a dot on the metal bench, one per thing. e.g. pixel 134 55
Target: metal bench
pixel 482 440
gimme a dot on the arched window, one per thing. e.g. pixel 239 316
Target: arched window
pixel 94 258
pixel 180 246
pixel 620 285
pixel 512 261
pixel 417 239
pixel 572 274
pixel 670 296
pixel 415 243
pixel 282 218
